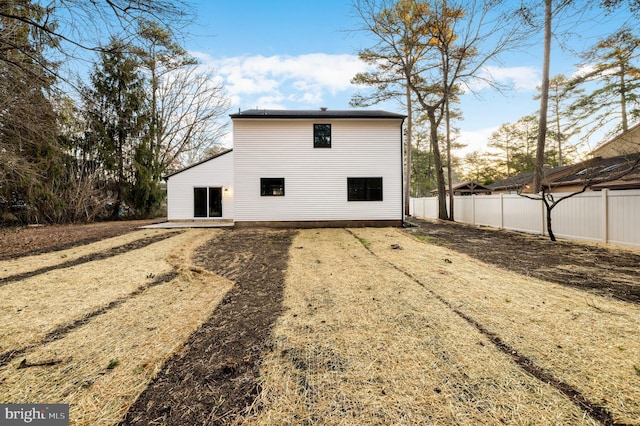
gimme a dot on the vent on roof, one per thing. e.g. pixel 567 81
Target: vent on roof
pixel 323 108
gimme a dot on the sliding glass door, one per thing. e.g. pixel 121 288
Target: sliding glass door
pixel 207 202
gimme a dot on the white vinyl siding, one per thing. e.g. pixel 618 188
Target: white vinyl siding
pixel 316 179
pixel 215 173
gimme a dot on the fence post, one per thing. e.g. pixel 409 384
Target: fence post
pixel 473 208
pixel 605 215
pixel 501 211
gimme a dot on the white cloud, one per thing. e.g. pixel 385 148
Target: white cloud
pixel 517 78
pixel 305 80
pixel 475 140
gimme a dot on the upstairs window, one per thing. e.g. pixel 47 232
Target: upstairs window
pixel 322 135
pixel 272 187
pixel 364 189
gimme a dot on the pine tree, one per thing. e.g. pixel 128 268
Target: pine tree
pixel 117 117
pixel 614 74
pixel 30 157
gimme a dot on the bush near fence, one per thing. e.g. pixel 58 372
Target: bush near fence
pixel 601 216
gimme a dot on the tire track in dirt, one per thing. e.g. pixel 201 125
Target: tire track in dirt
pixel 214 379
pixel 63 330
pixel 591 408
pixel 114 251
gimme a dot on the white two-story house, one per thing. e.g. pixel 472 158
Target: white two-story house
pixel 299 168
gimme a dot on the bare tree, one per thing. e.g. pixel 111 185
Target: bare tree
pixel 466 36
pixel 553 9
pixel 544 97
pixel 186 103
pixel 190 105
pixel 398 29
pixel 450 43
pixel 84 24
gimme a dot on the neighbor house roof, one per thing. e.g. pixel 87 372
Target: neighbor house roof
pixel 319 113
pixel 621 172
pixel 625 143
pixel 219 154
pixel 519 181
pixel 464 188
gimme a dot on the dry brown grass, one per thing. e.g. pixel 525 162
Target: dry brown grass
pixel 101 367
pixel 32 263
pixel 35 306
pixel 362 343
pixel 587 341
pixel 368 337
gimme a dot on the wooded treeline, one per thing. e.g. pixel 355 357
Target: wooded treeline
pixel 94 144
pixel 78 149
pixel 428 53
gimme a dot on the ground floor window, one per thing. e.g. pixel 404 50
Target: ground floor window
pixel 207 202
pixel 364 189
pixel 272 187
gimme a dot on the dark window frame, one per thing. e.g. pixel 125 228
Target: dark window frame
pixel 365 189
pixel 269 187
pixel 320 137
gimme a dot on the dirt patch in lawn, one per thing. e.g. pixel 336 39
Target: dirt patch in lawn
pixel 214 379
pixel 603 270
pixel 30 240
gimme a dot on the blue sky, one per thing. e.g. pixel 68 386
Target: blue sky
pixel 301 54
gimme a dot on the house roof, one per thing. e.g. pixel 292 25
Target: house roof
pixel 319 113
pixel 518 181
pixel 624 143
pixel 467 187
pixel 621 172
pixel 219 154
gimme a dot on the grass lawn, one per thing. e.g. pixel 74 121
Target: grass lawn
pixel 376 327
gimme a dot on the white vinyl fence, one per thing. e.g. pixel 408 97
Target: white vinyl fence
pixel 602 216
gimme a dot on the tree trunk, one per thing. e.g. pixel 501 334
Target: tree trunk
pixel 556 104
pixel 552 236
pixel 544 99
pixel 449 173
pixel 437 159
pixel 407 189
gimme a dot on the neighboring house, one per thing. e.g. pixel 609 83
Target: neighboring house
pixel 466 188
pixel 614 165
pixel 299 168
pixel 620 172
pixel 523 181
pixel 625 143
